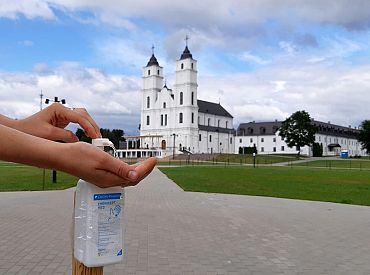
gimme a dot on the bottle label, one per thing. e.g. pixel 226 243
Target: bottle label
pixel 109 213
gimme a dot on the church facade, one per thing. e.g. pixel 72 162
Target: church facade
pixel 174 120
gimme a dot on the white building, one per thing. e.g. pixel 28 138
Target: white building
pixel 265 136
pixel 174 121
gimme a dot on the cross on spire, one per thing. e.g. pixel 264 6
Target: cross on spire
pixel 186 40
pixel 152 49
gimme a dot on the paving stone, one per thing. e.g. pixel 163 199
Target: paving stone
pixel 169 231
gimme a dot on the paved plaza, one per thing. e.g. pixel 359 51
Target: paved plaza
pixel 169 231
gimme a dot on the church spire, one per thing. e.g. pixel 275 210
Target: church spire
pixel 186 53
pixel 153 60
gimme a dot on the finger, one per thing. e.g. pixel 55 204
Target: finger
pixel 63 135
pixel 86 115
pixel 75 117
pixel 122 169
pixel 108 179
pixel 145 168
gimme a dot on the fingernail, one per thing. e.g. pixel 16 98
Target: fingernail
pixel 132 175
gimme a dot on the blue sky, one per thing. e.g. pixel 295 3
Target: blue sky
pixel 262 59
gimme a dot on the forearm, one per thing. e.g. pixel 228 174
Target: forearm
pixel 16 146
pixel 7 121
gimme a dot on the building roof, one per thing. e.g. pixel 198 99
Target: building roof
pixel 186 54
pixel 212 108
pixel 258 128
pixel 152 61
pixel 270 128
pixel 216 129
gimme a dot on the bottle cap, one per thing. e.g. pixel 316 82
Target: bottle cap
pixel 102 142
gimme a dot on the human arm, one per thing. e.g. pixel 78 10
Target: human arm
pixel 79 159
pixel 51 121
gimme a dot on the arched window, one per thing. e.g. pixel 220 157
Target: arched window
pixel 147 120
pixel 218 123
pixel 262 130
pixel 209 122
pixel 192 98
pixel 148 102
pixel 192 117
pixel 157 72
pixel 181 98
pixel 192 65
pixel 164 105
pixel 148 72
pixel 181 118
pixel 227 124
pixel 182 66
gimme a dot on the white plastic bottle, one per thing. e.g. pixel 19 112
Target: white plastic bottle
pixel 98 230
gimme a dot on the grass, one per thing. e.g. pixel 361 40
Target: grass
pixel 17 177
pixel 340 163
pixel 260 159
pixel 341 186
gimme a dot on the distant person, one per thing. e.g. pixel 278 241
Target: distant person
pixel 32 141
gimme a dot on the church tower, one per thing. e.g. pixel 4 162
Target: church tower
pixel 185 98
pixel 152 85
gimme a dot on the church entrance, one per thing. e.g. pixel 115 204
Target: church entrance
pixel 163 145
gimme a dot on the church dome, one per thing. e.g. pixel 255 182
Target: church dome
pixel 186 54
pixel 152 61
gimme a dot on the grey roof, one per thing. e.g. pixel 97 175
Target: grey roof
pixel 152 61
pixel 326 128
pixel 216 129
pixel 269 128
pixel 186 54
pixel 258 128
pixel 212 108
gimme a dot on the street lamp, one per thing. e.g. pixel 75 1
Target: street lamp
pixel 56 100
pixel 174 139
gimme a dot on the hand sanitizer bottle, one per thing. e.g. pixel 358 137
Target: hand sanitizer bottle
pixel 98 230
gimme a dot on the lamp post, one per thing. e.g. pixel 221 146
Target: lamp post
pixel 174 140
pixel 56 100
pixel 43 170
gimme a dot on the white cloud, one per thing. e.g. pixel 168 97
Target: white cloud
pixel 113 100
pixel 288 47
pixel 338 95
pixel 28 8
pixel 247 56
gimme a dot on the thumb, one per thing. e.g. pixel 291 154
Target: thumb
pixel 123 170
pixel 63 135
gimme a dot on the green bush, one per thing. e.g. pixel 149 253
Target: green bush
pixel 317 150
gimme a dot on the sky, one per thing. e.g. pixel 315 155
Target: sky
pixel 261 59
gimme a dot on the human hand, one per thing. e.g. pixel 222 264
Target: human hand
pixel 98 167
pixel 51 121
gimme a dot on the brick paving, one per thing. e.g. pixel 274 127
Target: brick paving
pixel 169 231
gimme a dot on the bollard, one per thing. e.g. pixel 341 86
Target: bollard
pixel 79 269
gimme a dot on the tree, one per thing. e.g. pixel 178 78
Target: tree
pixel 364 135
pixel 317 150
pixel 297 130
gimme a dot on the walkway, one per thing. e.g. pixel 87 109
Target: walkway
pixel 169 231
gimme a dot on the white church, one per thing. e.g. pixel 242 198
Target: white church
pixel 175 121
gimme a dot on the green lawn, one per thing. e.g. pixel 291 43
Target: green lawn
pixel 260 159
pixel 342 186
pixel 340 163
pixel 16 177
